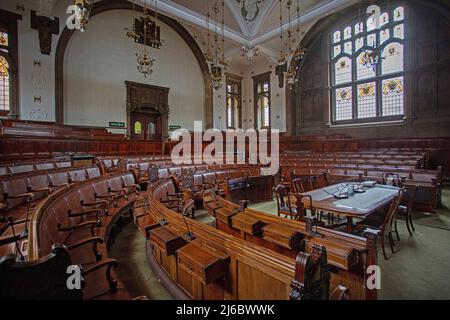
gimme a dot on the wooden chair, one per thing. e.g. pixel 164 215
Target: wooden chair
pixel 383 225
pixel 406 209
pixel 283 201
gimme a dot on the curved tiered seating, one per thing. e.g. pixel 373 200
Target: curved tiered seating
pixel 85 226
pixel 246 250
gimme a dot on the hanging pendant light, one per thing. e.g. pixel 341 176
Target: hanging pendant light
pixel 83 12
pixel 144 60
pixel 216 60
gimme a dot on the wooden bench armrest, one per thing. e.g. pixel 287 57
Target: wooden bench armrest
pixel 131 186
pixel 106 196
pixel 29 195
pixel 47 189
pixel 109 263
pixel 97 203
pixel 84 213
pixel 123 190
pixel 62 185
pixel 91 224
pixel 82 242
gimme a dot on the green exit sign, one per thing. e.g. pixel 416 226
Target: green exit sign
pixel 117 124
pixel 173 127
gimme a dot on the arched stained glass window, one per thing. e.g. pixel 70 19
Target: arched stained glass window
pixel 367 67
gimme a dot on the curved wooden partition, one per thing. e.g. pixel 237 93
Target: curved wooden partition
pixel 219 264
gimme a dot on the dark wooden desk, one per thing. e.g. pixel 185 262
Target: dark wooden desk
pixel 254 189
pixel 360 205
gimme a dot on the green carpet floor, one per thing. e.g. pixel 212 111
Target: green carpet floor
pixel 418 270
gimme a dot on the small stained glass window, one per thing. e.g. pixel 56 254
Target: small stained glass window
pixel 344 104
pixel 4 85
pixel 392 58
pixel 399 31
pixel 343 70
pixel 4 39
pixel 393 97
pixel 399 14
pixel 337 37
pixel 367 101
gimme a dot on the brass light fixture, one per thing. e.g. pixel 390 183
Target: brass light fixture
pixel 83 12
pixel 216 60
pixel 144 60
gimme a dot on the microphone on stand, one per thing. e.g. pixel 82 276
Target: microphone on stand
pixel 189 235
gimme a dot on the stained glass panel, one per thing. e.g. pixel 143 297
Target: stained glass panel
pixel 343 70
pixel 392 58
pixel 359 27
pixel 344 104
pixel 3 39
pixel 399 14
pixel 393 97
pixel 384 19
pixel 359 43
pixel 362 70
pixel 384 35
pixel 337 36
pixel 367 101
pixel 372 40
pixel 347 33
pixel 337 51
pixel 4 84
pixel 371 23
pixel 399 31
pixel 348 47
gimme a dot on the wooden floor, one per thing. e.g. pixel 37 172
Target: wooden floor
pixel 418 270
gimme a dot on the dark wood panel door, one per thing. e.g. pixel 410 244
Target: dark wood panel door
pixel 145 127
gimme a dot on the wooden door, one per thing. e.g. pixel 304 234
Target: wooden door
pixel 145 127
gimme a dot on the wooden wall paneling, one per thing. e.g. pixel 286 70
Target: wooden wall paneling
pixel 256 285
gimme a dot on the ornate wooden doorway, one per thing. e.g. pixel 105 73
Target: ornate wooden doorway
pixel 147 111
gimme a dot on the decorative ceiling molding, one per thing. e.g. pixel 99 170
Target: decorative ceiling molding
pixel 174 9
pixel 318 11
pixel 238 17
pixel 323 8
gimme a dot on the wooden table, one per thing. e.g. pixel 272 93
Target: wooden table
pixel 360 205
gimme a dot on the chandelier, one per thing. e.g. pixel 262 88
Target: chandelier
pixel 216 56
pixel 153 31
pixel 145 31
pixel 145 63
pixel 83 12
pixel 297 54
